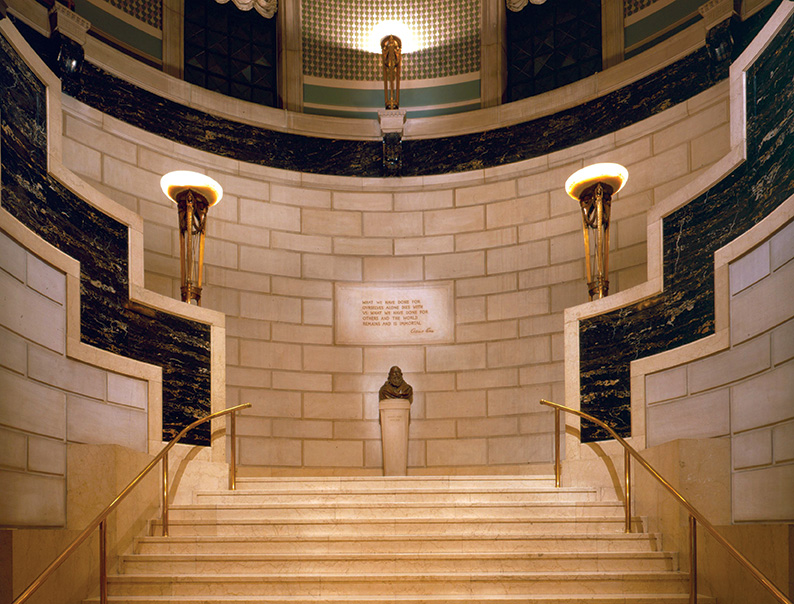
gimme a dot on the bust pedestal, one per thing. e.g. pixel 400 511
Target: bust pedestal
pixel 394 416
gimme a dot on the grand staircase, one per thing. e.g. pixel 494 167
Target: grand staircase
pixel 375 540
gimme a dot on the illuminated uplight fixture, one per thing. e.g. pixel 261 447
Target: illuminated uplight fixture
pixel 391 39
pixel 593 188
pixel 392 27
pixel 194 194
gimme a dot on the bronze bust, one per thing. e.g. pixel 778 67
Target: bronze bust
pixel 396 386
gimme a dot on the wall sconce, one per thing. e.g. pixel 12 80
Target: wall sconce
pixel 391 54
pixel 593 188
pixel 194 194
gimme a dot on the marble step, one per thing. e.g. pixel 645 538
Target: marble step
pixel 410 562
pixel 390 584
pixel 397 511
pixel 430 526
pixel 410 599
pixel 580 542
pixel 428 496
pixel 392 483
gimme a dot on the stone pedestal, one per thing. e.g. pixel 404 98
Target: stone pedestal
pixel 394 416
pixel 392 123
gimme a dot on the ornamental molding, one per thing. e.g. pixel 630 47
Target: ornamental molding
pixel 266 8
pixel 715 12
pixel 517 5
pixel 68 23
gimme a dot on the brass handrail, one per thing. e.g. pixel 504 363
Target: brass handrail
pixel 694 514
pixel 101 520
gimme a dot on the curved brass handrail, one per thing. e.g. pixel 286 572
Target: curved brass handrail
pixel 99 521
pixel 694 513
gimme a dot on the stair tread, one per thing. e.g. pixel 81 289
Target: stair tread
pixel 408 555
pixel 408 537
pixel 606 598
pixel 407 504
pixel 413 478
pixel 409 489
pixel 504 575
pixel 392 520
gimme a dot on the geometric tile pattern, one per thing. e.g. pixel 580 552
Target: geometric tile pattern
pixel 634 6
pixel 148 11
pixel 335 37
pixel 552 45
pixel 231 51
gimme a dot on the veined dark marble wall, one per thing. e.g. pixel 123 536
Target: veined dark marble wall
pixel 108 319
pixel 173 121
pixel 637 101
pixel 684 312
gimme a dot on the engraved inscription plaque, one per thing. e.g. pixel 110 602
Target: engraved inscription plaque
pixel 402 314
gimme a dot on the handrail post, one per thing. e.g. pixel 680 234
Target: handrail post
pixel 627 479
pixel 557 448
pixel 103 515
pixel 103 562
pixel 696 515
pixel 693 560
pixel 165 496
pixel 233 461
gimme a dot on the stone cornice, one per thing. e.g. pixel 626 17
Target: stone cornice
pixel 68 23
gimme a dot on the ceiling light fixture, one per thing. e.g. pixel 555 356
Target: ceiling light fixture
pixel 392 27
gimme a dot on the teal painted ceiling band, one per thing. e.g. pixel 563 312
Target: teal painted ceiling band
pixel 362 115
pixel 416 97
pixel 372 115
pixel 443 110
pixel 661 19
pixel 661 38
pixel 121 30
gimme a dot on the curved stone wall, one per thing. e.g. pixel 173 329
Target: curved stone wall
pixel 743 392
pixel 97 236
pixel 505 241
pixel 234 139
pixel 508 239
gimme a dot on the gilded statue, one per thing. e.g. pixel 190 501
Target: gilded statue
pixel 392 58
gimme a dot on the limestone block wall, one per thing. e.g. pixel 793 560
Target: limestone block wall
pixel 51 400
pixel 746 392
pixel 508 238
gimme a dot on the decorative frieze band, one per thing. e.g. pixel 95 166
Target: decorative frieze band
pixel 69 23
pixel 715 12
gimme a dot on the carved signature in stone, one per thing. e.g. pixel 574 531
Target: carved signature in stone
pixel 427 330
